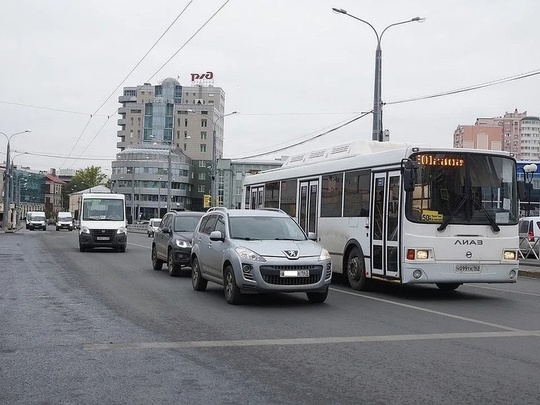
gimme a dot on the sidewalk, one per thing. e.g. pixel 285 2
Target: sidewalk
pixel 529 268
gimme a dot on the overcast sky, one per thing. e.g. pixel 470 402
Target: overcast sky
pixel 291 68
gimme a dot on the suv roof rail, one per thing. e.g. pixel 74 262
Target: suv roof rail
pixel 272 209
pixel 216 209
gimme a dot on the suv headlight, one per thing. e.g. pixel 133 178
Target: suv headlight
pixel 121 230
pixel 324 255
pixel 248 254
pixel 85 229
pixel 182 244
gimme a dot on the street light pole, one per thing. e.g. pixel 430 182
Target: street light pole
pixel 377 134
pixel 7 178
pixel 159 198
pixel 169 177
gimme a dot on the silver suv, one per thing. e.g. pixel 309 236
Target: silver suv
pixel 263 250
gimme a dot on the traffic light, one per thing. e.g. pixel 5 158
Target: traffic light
pixel 206 201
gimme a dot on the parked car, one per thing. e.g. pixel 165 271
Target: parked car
pixel 153 226
pixel 172 240
pixel 529 236
pixel 261 250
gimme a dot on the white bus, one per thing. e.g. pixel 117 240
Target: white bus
pixel 402 213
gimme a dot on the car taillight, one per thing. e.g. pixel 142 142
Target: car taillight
pixel 531 236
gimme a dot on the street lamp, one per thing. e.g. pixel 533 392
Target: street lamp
pixel 377 134
pixel 7 177
pixel 213 183
pixel 159 198
pixel 528 172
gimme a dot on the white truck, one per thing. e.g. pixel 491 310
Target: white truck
pixel 102 221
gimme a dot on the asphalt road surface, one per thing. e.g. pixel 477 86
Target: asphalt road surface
pixel 104 328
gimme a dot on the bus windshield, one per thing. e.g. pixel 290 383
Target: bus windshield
pixel 463 188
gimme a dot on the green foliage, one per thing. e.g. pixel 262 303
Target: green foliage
pixel 82 180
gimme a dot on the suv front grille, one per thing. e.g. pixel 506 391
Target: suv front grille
pixel 271 274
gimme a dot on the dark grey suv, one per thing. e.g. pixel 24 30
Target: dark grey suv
pixel 172 240
pixel 262 250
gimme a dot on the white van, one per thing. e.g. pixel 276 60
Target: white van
pixel 64 220
pixel 36 220
pixel 102 221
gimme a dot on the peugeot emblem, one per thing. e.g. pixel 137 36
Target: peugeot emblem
pixel 291 254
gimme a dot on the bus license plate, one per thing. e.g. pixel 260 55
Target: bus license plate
pixel 102 238
pixel 294 273
pixel 467 268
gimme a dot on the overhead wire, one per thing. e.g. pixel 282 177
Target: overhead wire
pixel 120 84
pixel 162 66
pixel 441 94
pixel 310 139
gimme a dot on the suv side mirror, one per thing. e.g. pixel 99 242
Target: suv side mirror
pixel 166 230
pixel 216 235
pixel 312 236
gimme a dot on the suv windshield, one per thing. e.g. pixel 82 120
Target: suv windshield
pixel 454 188
pixel 265 228
pixel 185 223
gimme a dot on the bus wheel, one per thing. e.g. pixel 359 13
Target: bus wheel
pixel 356 270
pixel 447 286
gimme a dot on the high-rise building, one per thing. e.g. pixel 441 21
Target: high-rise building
pixel 514 132
pixel 176 118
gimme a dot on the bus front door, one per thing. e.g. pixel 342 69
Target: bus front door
pixel 385 225
pixel 307 212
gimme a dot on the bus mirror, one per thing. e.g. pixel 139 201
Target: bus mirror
pixel 522 194
pixel 408 171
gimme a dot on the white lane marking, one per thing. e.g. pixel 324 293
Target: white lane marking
pixel 502 289
pixel 134 244
pixel 431 311
pixel 304 341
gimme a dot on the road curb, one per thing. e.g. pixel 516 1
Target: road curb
pixel 530 274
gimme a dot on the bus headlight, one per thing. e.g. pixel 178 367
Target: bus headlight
pixel 509 255
pixel 418 254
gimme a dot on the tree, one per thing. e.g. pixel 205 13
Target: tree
pixel 82 180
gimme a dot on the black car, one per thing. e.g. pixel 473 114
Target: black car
pixel 172 240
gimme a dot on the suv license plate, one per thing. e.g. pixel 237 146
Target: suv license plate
pixel 102 238
pixel 294 273
pixel 465 268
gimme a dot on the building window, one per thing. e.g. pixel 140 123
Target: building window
pixel 204 123
pixel 203 147
pixel 185 122
pixel 202 163
pixel 202 176
pixel 185 146
pixel 201 188
pixel 203 135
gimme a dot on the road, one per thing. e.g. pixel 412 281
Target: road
pixel 103 327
